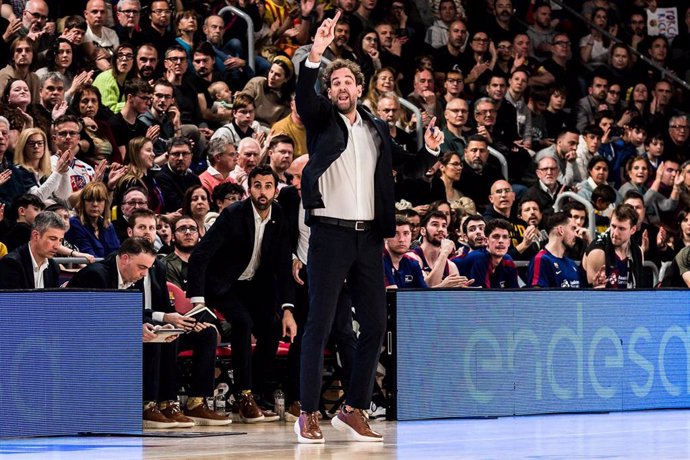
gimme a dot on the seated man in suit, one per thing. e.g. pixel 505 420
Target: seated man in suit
pixel 201 336
pixel 121 270
pixel 30 266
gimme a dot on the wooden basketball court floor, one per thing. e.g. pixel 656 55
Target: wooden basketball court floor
pixel 636 435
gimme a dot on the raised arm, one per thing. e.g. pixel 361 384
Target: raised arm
pixel 311 108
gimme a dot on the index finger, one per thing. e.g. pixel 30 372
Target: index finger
pixel 336 17
pixel 432 123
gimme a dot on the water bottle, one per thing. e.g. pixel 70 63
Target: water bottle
pixel 279 400
pixel 219 398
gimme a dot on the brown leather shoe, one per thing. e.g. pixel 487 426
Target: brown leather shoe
pixel 307 428
pixel 154 418
pixel 249 412
pixel 293 412
pixel 173 412
pixel 202 415
pixel 269 415
pixel 356 425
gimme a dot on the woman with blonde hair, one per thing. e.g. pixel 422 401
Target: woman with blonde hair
pixel 140 161
pixel 382 82
pixel 90 229
pixel 32 158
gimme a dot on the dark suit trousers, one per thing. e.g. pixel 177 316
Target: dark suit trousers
pixel 203 344
pixel 250 307
pixel 160 371
pixel 342 336
pixel 337 253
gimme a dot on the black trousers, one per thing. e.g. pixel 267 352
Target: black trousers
pixel 342 336
pixel 160 366
pixel 336 254
pixel 250 307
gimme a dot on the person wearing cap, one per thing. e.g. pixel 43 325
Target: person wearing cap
pixel 272 94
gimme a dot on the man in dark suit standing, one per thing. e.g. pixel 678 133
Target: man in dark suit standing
pixel 347 191
pixel 31 266
pixel 242 267
pixel 290 200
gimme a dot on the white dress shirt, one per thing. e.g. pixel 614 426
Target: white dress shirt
pixel 347 186
pixel 260 228
pixel 38 270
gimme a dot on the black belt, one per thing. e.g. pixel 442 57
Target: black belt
pixel 358 225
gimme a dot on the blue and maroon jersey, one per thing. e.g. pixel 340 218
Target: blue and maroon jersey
pixel 477 266
pixel 407 275
pixel 546 270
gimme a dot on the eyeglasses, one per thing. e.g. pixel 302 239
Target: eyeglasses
pixel 175 59
pixel 124 56
pixel 187 229
pixel 179 154
pixel 135 203
pixel 163 96
pixel 38 16
pixel 68 133
pixel 161 12
pixel 129 12
pixel 456 164
pixel 144 98
pixel 35 143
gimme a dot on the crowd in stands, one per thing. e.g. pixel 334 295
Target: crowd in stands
pixel 127 127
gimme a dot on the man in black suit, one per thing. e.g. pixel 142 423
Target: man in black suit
pixel 290 200
pixel 201 336
pixel 121 270
pixel 31 265
pixel 347 191
pixel 242 267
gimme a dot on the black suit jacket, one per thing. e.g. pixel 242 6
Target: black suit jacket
pixel 173 186
pixel 101 275
pixel 160 298
pixel 327 139
pixel 289 200
pixel 224 253
pixel 17 272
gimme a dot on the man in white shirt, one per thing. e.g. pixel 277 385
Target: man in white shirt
pixel 30 266
pixel 100 40
pixel 347 191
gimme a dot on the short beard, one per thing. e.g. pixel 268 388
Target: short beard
pixel 183 249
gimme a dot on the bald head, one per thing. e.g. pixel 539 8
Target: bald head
pixel 296 170
pixel 38 15
pixel 502 197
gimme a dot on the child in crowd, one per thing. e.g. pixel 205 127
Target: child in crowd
pixel 654 151
pixel 221 94
pixel 603 199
